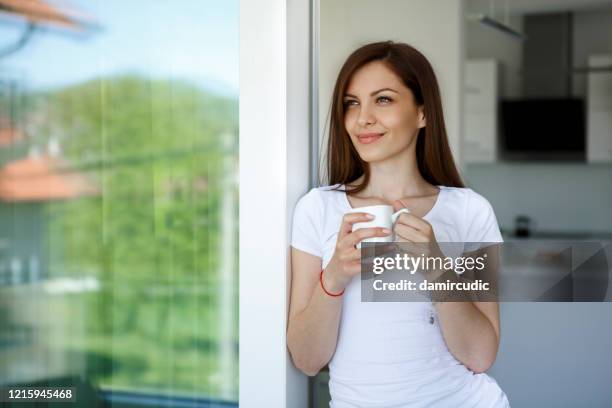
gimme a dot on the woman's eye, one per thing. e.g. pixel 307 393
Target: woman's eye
pixel 349 103
pixel 384 99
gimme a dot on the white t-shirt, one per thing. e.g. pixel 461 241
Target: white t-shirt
pixel 393 354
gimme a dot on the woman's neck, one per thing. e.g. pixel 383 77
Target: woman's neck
pixel 396 177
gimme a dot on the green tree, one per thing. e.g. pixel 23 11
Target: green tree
pixel 158 152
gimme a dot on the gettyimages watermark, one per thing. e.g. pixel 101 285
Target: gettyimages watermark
pixel 518 271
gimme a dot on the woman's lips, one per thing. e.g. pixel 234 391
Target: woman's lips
pixel 368 138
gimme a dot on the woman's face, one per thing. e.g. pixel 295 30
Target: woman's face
pixel 380 114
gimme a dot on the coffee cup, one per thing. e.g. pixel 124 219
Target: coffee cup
pixel 384 217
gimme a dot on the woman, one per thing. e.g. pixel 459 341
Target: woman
pixel 388 145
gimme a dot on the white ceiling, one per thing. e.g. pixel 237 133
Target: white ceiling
pixel 534 6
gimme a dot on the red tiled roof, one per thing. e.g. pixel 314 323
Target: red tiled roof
pixel 42 11
pixel 8 136
pixel 36 179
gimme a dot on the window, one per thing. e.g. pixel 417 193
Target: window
pixel 119 199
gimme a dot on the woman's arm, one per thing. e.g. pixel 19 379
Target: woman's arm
pixel 470 329
pixel 471 332
pixel 314 316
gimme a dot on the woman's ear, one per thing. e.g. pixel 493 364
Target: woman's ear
pixel 422 122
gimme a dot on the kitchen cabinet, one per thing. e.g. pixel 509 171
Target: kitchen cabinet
pixel 481 99
pixel 599 110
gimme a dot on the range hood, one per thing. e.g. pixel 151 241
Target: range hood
pixel 547 123
pixel 547 56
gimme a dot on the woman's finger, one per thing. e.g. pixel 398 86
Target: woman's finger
pixel 359 235
pixel 410 234
pixel 346 226
pixel 413 221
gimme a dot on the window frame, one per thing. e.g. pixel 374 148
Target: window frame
pixel 276 146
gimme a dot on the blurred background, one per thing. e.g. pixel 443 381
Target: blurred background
pixel 527 93
pixel 538 114
pixel 118 200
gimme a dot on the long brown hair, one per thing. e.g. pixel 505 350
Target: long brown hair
pixel 434 158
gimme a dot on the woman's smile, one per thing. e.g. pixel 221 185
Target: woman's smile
pixel 367 138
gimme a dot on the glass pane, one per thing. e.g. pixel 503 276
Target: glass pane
pixel 119 200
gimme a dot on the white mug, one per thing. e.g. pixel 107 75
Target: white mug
pixel 384 217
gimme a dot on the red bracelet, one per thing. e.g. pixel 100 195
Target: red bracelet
pixel 325 290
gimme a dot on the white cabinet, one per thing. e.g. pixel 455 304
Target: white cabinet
pixel 599 111
pixel 481 95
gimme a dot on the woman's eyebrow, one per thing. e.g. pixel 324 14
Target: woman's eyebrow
pixel 373 93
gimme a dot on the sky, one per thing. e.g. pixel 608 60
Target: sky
pixel 196 40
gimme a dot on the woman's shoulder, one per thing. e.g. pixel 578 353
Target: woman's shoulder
pixel 321 196
pixel 470 198
pixel 324 193
pixel 477 218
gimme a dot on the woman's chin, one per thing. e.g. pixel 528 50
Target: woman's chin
pixel 374 157
pixel 380 155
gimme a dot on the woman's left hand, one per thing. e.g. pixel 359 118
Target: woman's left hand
pixel 414 229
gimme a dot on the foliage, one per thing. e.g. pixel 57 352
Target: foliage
pixel 163 158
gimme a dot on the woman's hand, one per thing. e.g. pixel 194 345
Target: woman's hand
pixel 410 228
pixel 420 234
pixel 345 264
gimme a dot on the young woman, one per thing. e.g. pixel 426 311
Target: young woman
pixel 388 145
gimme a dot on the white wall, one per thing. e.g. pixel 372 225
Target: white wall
pixel 560 197
pixel 274 133
pixel 433 27
pixel 555 354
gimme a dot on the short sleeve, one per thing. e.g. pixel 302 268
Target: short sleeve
pixel 307 219
pixel 481 223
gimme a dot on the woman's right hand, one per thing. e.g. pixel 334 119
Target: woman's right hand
pixel 345 264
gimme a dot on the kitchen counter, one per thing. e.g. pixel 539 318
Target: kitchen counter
pixel 560 236
pixel 556 266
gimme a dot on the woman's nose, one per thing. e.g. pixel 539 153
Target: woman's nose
pixel 366 117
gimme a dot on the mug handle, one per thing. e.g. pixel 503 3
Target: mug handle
pixel 396 214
